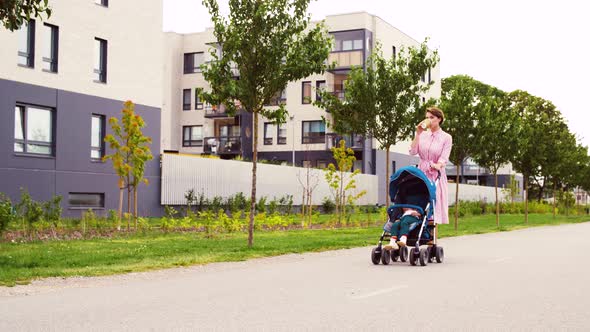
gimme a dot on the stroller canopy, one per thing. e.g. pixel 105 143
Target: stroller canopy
pixel 409 185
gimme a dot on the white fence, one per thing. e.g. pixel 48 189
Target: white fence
pixel 468 192
pixel 215 177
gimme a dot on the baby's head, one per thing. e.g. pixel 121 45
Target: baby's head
pixel 408 209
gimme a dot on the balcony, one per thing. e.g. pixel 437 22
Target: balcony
pixel 354 141
pixel 346 59
pixel 215 111
pixel 222 145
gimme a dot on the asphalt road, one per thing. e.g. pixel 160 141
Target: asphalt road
pixel 530 280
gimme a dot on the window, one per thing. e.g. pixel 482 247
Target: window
pixel 26 44
pixel 100 60
pixel 282 134
pixel 429 76
pixel 319 86
pixel 192 136
pixel 33 130
pixel 104 3
pixel 423 78
pixel 269 129
pixel 193 62
pixel 198 101
pixel 278 99
pixel 86 200
pixel 186 99
pixel 313 132
pixel 307 163
pixel 306 92
pixel 394 52
pixel 50 49
pixel 346 41
pixel 97 133
pixel 322 164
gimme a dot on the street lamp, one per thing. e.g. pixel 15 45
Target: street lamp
pixel 292 118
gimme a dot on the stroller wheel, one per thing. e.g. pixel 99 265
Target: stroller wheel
pixel 440 254
pixel 424 256
pixel 376 255
pixel 386 257
pixel 413 257
pixel 430 254
pixel 395 255
pixel 403 254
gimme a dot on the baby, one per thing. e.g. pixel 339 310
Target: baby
pixel 401 228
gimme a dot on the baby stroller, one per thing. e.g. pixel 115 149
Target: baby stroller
pixel 410 188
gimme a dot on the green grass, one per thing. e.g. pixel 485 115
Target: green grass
pixel 21 263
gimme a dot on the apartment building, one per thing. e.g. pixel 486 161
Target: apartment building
pixel 61 79
pixel 192 127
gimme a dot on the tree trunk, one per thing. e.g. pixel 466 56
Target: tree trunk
pixel 497 202
pixel 457 200
pixel 121 188
pixel 309 209
pixel 526 199
pixel 128 207
pixel 303 206
pixel 554 198
pixel 135 206
pixel 387 175
pixel 253 196
pixel 541 190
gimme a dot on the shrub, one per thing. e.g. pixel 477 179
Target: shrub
pixel 328 205
pixel 7 213
pixel 29 211
pixel 52 210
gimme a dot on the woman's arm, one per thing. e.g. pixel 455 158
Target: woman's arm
pixel 415 147
pixel 444 156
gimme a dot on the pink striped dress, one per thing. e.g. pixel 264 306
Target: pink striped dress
pixel 436 148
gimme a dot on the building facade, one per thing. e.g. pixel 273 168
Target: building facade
pixel 193 127
pixel 61 79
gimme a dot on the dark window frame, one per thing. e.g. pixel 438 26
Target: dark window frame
pixel 189 142
pixel 191 69
pixel 303 98
pixel 185 106
pixel 103 63
pixel 30 53
pixel 53 61
pixel 23 108
pixel 319 139
pixel 281 140
pixel 101 199
pixel 267 135
pixel 394 52
pixel 103 3
pixel 429 75
pixel 198 101
pixel 102 134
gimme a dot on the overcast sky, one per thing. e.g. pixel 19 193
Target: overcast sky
pixel 538 46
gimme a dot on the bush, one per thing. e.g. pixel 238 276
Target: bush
pixel 29 211
pixel 261 206
pixel 287 203
pixel 216 204
pixel 273 206
pixel 52 210
pixel 7 213
pixel 328 205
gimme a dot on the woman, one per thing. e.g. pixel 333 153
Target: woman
pixel 434 148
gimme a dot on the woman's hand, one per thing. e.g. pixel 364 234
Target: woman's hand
pixel 435 166
pixel 419 129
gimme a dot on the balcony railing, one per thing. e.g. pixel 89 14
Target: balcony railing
pixel 346 59
pixel 354 141
pixel 223 145
pixel 215 111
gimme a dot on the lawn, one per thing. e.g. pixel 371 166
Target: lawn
pixel 23 262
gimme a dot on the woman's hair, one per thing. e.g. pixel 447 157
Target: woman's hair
pixel 436 112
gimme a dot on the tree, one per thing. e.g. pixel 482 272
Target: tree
pixel 535 114
pixel 14 13
pixel 269 43
pixel 341 181
pixel 308 184
pixel 381 100
pixel 497 128
pixel 131 153
pixel 460 100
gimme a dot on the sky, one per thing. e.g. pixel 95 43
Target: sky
pixel 537 46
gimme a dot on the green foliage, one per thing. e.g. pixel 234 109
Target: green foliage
pixel 29 211
pixel 342 183
pixel 273 206
pixel 261 205
pixel 15 13
pixel 216 204
pixel 7 213
pixel 52 210
pixel 287 203
pixel 328 205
